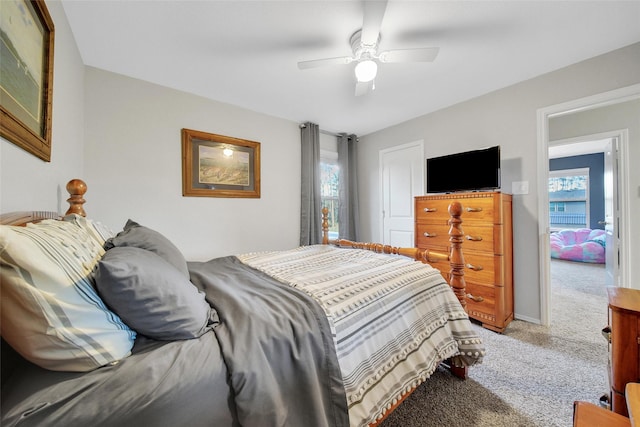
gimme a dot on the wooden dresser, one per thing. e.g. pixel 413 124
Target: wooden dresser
pixel 624 343
pixel 487 249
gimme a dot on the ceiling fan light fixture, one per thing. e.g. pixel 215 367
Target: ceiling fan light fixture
pixel 366 70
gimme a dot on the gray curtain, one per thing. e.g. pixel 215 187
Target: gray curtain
pixel 348 219
pixel 310 206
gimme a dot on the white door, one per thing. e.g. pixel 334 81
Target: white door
pixel 612 212
pixel 402 178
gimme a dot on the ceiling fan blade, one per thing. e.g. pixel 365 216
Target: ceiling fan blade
pixel 426 54
pixel 362 88
pixel 315 63
pixel 372 21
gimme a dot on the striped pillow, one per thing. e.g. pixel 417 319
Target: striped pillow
pixel 100 232
pixel 51 312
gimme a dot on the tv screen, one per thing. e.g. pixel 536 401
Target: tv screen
pixel 467 171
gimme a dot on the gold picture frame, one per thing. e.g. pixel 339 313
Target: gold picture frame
pixel 219 166
pixel 26 77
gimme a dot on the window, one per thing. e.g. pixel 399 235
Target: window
pixel 569 198
pixel 329 187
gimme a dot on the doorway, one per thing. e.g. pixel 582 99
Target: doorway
pixel 583 194
pixel 583 212
pixel 591 104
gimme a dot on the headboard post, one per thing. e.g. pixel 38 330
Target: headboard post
pixel 76 189
pixel 325 226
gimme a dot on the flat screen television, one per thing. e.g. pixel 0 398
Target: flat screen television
pixel 477 170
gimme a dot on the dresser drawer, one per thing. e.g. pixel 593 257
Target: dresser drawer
pixel 477 238
pixel 435 211
pixel 479 209
pixel 432 236
pixel 475 208
pixel 481 302
pixel 482 238
pixel 483 268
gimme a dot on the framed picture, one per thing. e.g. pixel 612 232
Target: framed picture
pixel 219 166
pixel 26 75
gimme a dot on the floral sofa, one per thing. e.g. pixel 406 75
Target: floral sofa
pixel 583 245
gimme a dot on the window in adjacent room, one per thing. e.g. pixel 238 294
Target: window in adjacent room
pixel 569 198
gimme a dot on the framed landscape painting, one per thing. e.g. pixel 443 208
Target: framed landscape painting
pixel 26 75
pixel 219 166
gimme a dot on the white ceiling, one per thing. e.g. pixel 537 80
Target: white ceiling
pixel 578 148
pixel 245 53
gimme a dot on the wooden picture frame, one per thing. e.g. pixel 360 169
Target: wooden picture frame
pixel 219 166
pixel 26 77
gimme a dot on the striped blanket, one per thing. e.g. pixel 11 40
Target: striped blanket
pixel 393 319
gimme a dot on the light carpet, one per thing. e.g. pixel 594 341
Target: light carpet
pixel 531 374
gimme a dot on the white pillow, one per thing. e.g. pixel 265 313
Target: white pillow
pixel 51 312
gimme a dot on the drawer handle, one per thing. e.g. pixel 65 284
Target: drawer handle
pixel 474 209
pixel 430 209
pixel 474 267
pixel 474 238
pixel 425 234
pixel 476 299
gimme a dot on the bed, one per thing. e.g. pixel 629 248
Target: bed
pixel 102 328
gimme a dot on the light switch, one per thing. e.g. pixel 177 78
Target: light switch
pixel 520 187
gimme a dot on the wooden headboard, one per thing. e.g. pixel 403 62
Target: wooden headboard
pixel 76 189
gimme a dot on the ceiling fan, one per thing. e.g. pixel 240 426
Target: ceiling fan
pixel 364 44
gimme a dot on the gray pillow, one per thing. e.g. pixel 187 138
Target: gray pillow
pixel 142 237
pixel 151 296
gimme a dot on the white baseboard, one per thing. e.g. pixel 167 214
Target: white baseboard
pixel 527 319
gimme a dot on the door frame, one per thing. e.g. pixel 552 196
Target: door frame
pixel 381 153
pixel 543 114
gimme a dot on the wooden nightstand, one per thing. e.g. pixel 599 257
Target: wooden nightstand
pixel 587 414
pixel 624 347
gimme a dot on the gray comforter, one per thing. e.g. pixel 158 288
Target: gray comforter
pixel 270 362
pixel 283 369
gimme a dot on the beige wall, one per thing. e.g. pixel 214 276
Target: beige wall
pixel 27 182
pixel 122 136
pixel 134 169
pixel 507 117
